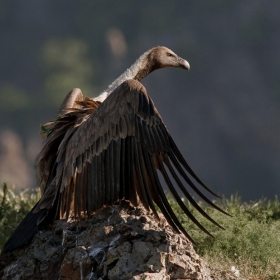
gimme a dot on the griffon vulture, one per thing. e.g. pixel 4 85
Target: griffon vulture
pixel 105 149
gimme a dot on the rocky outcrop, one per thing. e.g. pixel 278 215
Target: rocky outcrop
pixel 118 242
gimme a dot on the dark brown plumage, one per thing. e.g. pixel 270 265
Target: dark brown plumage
pixel 97 153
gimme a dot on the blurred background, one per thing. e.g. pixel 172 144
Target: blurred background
pixel 224 114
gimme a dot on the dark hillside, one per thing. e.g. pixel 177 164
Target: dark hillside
pixel 228 103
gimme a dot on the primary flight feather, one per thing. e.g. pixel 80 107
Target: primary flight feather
pixel 105 149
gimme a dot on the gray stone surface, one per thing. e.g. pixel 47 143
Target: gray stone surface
pixel 118 242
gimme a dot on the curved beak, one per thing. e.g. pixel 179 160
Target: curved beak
pixel 183 64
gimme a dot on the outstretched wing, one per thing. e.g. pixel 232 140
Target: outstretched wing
pixel 114 153
pixel 96 154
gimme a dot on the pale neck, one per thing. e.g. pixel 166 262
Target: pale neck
pixel 137 71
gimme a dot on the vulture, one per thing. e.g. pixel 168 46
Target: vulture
pixel 109 148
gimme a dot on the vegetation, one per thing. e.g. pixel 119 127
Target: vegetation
pixel 13 208
pixel 250 241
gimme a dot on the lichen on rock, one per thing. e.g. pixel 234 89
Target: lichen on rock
pixel 118 242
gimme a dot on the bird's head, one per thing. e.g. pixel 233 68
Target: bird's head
pixel 161 57
pixel 153 59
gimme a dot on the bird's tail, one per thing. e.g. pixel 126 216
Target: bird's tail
pixel 25 230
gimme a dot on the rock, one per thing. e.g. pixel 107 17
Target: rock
pixel 118 242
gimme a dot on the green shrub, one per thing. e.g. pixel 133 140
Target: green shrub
pixel 13 208
pixel 250 241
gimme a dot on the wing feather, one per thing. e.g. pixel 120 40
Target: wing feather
pixel 113 151
pixel 140 180
pixel 150 194
pixel 192 185
pixel 179 156
pixel 128 142
pixel 160 198
pixel 178 198
pixel 130 188
pixel 100 173
pixel 93 187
